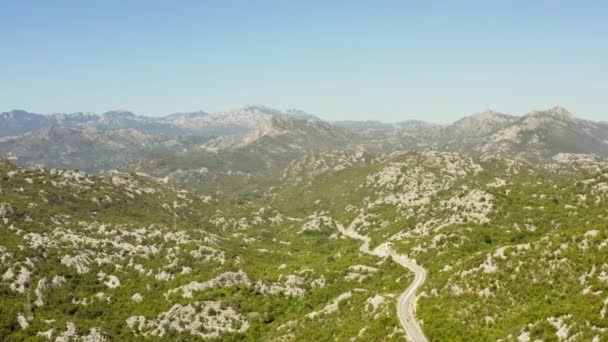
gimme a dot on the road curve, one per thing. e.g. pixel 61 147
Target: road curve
pixel 406 303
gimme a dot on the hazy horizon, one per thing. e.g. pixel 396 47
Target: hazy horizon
pixel 320 116
pixel 423 218
pixel 386 61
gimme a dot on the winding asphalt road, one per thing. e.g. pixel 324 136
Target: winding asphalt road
pixel 406 304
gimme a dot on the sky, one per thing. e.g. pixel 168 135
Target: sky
pixel 355 60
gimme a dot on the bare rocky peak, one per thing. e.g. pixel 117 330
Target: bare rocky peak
pixel 552 114
pixel 257 109
pixel 188 121
pixel 285 122
pixel 415 124
pixel 259 113
pixel 481 123
pixel 233 121
pixel 558 112
pixel 74 117
pixel 17 122
pixel 18 113
pixel 300 114
pixel 124 118
pixel 186 115
pixel 489 115
pixel 558 117
pixel 372 125
pixel 248 116
pixel 288 131
pixel 277 125
pixel 544 133
pixel 118 114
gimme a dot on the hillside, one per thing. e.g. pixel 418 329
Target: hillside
pixel 121 257
pixel 90 149
pixel 480 227
pixel 258 157
pixel 301 229
pixel 303 171
pixel 285 262
pixel 542 134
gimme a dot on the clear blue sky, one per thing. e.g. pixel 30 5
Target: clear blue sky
pixel 387 60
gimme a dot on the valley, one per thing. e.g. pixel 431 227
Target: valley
pixel 303 171
pixel 302 229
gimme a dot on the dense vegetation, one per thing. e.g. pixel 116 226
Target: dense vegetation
pixel 513 251
pixel 146 235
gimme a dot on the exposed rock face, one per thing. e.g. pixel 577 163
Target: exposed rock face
pixel 317 222
pixel 223 280
pixel 292 286
pixel 332 307
pixel 479 125
pixel 204 319
pixel 542 134
pixel 230 122
pixel 410 182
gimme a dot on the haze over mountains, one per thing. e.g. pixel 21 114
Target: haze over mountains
pixel 235 121
pixel 263 224
pixel 268 138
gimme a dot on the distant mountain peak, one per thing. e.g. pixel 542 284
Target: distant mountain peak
pixel 118 114
pixel 83 114
pixel 487 112
pixel 272 126
pixel 280 120
pixel 259 109
pixel 479 124
pixel 298 113
pixel 76 116
pixel 18 111
pixel 187 115
pixel 561 112
pixel 557 112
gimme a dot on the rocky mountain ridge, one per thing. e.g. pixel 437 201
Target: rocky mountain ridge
pixel 234 121
pixel 269 140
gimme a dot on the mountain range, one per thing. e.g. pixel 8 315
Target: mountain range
pixel 261 224
pixel 234 121
pixel 259 140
